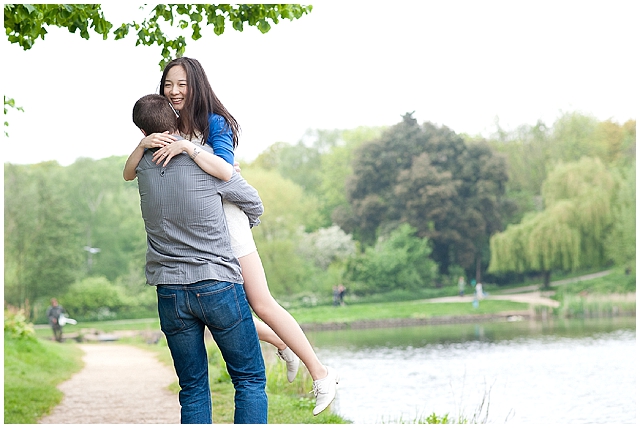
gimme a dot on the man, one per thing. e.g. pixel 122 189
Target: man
pixel 199 282
pixel 53 313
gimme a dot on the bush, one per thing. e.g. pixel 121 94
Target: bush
pixel 326 246
pixel 16 325
pixel 95 298
pixel 400 261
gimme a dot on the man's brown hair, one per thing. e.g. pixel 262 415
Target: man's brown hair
pixel 154 113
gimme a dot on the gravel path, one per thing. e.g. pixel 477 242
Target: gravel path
pixel 536 298
pixel 120 384
pixel 528 294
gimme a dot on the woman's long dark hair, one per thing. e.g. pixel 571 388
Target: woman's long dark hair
pixel 200 102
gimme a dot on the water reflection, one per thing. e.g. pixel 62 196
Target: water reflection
pixel 564 371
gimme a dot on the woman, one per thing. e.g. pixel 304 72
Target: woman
pixel 204 120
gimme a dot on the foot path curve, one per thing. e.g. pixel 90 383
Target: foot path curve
pixel 120 384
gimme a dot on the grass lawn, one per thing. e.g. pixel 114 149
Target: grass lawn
pixel 616 282
pixel 32 369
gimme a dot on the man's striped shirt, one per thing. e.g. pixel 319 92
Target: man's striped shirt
pixel 187 234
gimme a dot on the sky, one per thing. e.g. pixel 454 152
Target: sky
pixel 463 64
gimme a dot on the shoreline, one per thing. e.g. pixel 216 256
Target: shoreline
pixel 411 322
pixel 92 335
pixel 510 316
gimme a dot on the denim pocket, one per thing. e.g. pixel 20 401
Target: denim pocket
pixel 170 321
pixel 220 308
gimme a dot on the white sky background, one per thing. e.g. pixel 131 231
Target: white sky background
pixel 455 63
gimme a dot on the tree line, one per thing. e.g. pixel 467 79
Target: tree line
pixel 380 209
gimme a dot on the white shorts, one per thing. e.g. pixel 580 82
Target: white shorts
pixel 242 242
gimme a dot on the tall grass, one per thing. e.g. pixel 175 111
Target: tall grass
pixel 479 415
pixel 597 305
pixel 610 295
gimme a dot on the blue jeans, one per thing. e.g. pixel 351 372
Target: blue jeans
pixel 184 312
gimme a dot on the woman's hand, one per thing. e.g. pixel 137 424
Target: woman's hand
pixel 169 151
pixel 236 166
pixel 157 140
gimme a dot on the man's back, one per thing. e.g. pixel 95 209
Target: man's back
pixel 187 234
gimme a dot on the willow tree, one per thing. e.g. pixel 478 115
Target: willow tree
pixel 621 240
pixel 570 233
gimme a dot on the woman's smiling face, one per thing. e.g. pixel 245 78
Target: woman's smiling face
pixel 175 86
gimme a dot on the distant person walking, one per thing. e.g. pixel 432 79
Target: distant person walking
pixel 479 292
pixel 54 312
pixel 341 292
pixel 479 295
pixel 461 284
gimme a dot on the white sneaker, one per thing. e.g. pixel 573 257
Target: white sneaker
pixel 292 360
pixel 325 390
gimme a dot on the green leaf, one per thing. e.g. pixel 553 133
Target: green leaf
pixel 237 25
pixel 218 26
pixel 196 31
pixel 263 26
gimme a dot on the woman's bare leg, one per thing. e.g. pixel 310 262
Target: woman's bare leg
pixel 267 335
pixel 275 316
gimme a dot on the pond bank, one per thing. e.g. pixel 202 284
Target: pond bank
pixel 411 322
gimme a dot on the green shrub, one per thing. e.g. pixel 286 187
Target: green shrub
pixel 400 261
pixel 95 298
pixel 16 325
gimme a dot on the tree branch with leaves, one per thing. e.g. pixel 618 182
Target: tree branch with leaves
pixel 9 103
pixel 26 23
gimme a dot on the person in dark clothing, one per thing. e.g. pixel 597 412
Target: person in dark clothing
pixel 53 313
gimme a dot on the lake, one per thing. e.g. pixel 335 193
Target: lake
pixel 556 371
